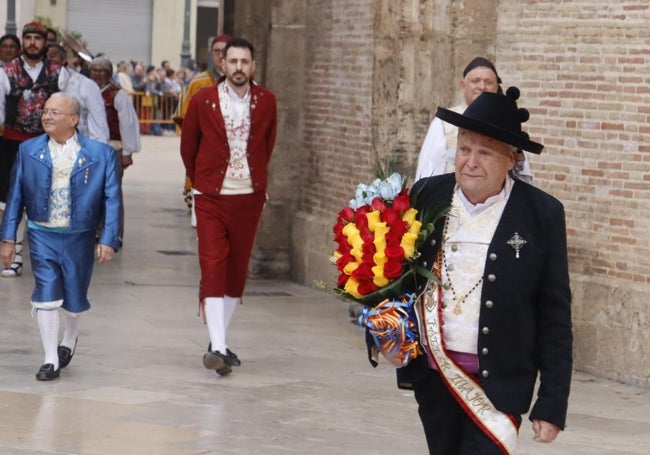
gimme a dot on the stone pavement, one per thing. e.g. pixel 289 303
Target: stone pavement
pixel 137 384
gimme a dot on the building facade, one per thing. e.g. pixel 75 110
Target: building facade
pixel 361 79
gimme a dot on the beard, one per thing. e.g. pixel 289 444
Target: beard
pixel 33 53
pixel 238 79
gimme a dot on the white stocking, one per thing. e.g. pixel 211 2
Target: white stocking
pixel 71 331
pixel 230 304
pixel 215 319
pixel 48 324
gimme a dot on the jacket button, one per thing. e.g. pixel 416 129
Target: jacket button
pixel 485 331
pixel 433 242
pixel 454 248
pixel 492 277
pixel 485 351
pixel 493 257
pixel 485 373
pixel 489 303
pixel 425 263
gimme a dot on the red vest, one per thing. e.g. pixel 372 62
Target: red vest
pixel 109 94
pixel 26 98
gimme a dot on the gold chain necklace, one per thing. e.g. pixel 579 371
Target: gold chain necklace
pixel 458 299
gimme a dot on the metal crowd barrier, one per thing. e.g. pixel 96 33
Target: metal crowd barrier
pixel 154 108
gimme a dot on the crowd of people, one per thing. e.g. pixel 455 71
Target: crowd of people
pixel 75 128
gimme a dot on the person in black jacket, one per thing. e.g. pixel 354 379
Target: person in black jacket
pixel 500 315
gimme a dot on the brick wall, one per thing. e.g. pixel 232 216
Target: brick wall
pixel 338 99
pixel 374 74
pixel 584 71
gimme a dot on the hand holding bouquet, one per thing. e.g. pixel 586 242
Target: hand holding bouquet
pixel 377 237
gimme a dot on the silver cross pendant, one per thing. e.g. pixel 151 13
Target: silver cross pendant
pixel 517 242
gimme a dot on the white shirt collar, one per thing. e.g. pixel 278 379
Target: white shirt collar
pixel 72 142
pixel 475 209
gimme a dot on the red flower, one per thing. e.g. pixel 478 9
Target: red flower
pixel 363 272
pixel 344 260
pixel 402 202
pixel 367 287
pixel 347 214
pixel 391 216
pixel 379 204
pixel 393 269
pixel 361 211
pixel 394 253
pixel 369 251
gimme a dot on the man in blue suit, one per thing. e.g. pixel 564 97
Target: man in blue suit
pixel 68 184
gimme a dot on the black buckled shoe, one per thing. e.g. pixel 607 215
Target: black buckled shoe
pixel 232 358
pixel 47 372
pixel 65 354
pixel 214 360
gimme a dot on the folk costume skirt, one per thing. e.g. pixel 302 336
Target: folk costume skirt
pixel 62 264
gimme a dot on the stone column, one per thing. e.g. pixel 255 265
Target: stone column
pixel 278 32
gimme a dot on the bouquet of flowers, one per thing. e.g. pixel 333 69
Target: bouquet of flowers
pixel 377 237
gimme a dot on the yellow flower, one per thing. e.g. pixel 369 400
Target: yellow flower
pixel 352 288
pixel 380 236
pixel 350 267
pixel 353 235
pixel 373 219
pixel 380 280
pixel 380 258
pixel 351 232
pixel 408 244
pixel 409 216
pixel 415 227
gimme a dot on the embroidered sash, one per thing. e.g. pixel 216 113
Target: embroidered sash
pixel 499 427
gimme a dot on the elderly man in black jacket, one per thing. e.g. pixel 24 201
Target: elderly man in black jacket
pixel 501 315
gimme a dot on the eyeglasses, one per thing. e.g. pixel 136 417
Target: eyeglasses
pixel 54 113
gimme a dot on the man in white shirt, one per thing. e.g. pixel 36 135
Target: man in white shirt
pixel 122 119
pixel 123 126
pixel 439 147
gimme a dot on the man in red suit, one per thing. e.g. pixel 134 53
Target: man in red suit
pixel 226 143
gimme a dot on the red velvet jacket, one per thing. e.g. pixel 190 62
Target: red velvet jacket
pixel 204 144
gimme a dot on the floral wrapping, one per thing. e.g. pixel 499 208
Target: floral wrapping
pixel 377 237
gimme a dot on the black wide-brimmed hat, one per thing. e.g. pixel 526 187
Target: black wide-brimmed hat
pixel 496 116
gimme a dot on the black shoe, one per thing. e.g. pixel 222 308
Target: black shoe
pixel 47 372
pixel 65 354
pixel 232 358
pixel 214 360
